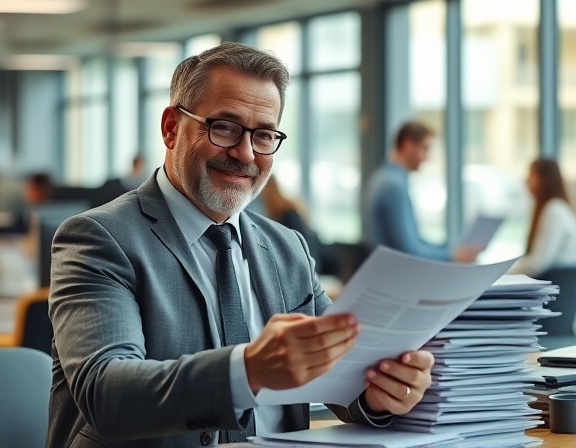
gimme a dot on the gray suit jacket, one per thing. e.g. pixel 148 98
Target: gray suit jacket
pixel 134 362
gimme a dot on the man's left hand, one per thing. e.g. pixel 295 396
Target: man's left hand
pixel 396 386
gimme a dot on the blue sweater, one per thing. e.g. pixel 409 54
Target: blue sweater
pixel 389 216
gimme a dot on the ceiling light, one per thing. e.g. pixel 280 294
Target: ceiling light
pixel 41 6
pixel 38 62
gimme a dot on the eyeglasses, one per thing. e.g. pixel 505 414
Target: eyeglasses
pixel 225 134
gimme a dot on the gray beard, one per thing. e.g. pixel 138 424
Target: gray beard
pixel 231 200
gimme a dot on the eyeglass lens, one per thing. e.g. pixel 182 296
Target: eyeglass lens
pixel 226 134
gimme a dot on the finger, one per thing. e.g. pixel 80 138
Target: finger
pixel 381 400
pixel 326 358
pixel 328 340
pixel 292 317
pixel 419 359
pixel 397 389
pixel 314 326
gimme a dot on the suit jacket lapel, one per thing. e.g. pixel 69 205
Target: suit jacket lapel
pixel 263 268
pixel 165 228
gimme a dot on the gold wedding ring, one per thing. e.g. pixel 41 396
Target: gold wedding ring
pixel 407 393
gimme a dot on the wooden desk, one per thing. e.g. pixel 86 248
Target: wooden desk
pixel 552 440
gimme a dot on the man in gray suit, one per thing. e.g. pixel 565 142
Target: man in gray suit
pixel 138 354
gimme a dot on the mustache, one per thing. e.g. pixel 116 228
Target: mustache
pixel 234 166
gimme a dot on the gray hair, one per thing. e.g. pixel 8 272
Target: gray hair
pixel 189 81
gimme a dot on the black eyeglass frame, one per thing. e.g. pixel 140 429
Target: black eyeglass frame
pixel 280 136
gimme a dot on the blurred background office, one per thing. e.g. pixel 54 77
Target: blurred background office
pixel 83 84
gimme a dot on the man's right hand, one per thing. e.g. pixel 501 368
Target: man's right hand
pixel 293 349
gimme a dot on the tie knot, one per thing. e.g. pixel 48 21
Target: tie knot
pixel 221 236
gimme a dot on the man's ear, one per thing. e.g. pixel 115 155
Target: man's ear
pixel 169 126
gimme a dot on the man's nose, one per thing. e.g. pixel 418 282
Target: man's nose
pixel 243 149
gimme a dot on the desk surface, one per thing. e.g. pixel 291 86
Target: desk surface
pixel 552 440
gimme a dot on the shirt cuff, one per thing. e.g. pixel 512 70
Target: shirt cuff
pixel 378 420
pixel 242 396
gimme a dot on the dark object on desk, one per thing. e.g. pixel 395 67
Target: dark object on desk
pixel 561 357
pixel 343 259
pixel 563 413
pixel 32 326
pixel 565 301
pixel 25 391
pixel 560 380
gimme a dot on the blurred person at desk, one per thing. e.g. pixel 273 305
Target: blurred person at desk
pixel 137 174
pixel 18 249
pixel 388 211
pixel 173 306
pixel 289 213
pixel 36 188
pixel 552 235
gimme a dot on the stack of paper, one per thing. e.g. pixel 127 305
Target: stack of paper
pixel 481 369
pixel 401 302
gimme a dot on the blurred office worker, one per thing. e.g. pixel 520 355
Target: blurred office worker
pixel 388 212
pixel 173 306
pixel 552 236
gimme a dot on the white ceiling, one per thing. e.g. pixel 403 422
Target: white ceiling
pixel 91 30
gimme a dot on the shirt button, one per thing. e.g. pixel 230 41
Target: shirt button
pixel 205 438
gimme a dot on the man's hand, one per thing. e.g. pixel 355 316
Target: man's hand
pixel 397 386
pixel 294 349
pixel 466 254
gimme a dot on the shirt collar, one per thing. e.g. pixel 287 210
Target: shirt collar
pixel 191 221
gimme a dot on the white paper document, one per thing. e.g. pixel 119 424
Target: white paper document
pixel 357 435
pixel 401 302
pixel 482 231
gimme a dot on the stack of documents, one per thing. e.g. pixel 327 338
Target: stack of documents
pixel 481 370
pixel 401 302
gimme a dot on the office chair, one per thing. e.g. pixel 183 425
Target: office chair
pixel 565 302
pixel 32 326
pixel 26 377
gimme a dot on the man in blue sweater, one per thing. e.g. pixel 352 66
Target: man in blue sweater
pixel 388 209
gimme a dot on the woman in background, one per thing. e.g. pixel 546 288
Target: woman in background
pixel 552 236
pixel 288 212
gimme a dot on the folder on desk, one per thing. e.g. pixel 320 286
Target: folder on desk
pixel 561 357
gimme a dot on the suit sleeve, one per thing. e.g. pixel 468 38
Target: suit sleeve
pixel 99 338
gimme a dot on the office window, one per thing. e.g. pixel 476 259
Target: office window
pixel 197 44
pixel 334 42
pixel 567 91
pixel 125 116
pixel 319 163
pixel 86 123
pixel 287 166
pixel 284 40
pixel 158 69
pixel 427 91
pixel 500 100
pixel 335 176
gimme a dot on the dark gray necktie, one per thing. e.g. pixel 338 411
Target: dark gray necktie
pixel 234 328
